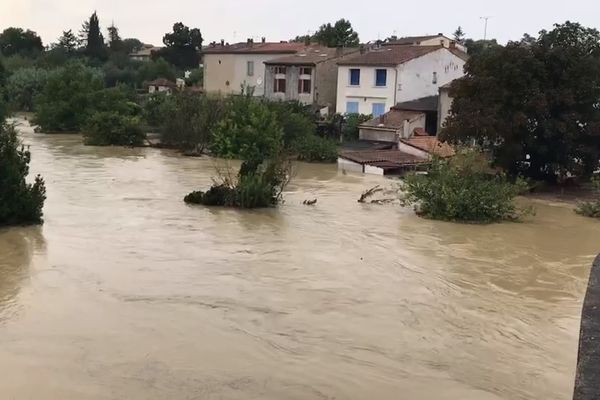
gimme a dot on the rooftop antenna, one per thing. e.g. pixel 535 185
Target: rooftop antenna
pixel 486 18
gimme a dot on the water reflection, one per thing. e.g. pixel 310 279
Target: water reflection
pixel 17 249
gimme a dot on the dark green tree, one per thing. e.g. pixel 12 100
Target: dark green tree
pixel 17 41
pixel 115 43
pixel 95 47
pixel 131 44
pixel 182 47
pixel 68 41
pixel 475 47
pixel 158 68
pixel 534 106
pixel 459 35
pixel 21 203
pixel 339 34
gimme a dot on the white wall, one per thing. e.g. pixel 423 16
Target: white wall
pixel 233 69
pixel 405 148
pixel 415 77
pixel 349 166
pixel 444 106
pixel 367 93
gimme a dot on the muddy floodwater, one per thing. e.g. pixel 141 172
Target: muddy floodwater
pixel 128 293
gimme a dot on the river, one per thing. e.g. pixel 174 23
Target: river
pixel 128 293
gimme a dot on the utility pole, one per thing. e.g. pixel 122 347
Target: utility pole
pixel 486 18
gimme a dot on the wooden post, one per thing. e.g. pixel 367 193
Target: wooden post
pixel 587 381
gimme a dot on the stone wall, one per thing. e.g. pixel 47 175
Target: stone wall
pixel 587 381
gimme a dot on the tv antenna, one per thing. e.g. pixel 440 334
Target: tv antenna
pixel 486 19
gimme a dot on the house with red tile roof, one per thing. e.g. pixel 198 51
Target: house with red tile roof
pixel 229 67
pixel 374 81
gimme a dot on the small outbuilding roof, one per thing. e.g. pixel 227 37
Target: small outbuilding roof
pixel 312 55
pixel 389 55
pixel 161 82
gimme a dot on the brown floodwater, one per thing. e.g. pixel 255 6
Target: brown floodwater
pixel 127 293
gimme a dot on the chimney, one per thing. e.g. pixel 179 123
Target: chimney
pixel 406 129
pixel 452 44
pixel 263 40
pixel 440 34
pixel 363 50
pixel 222 42
pixel 250 41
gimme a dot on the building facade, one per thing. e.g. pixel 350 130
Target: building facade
pixel 373 82
pixel 309 76
pixel 229 68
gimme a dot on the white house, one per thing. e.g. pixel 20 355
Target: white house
pixel 375 81
pixel 228 68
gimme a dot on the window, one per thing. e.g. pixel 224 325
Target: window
pixel 279 86
pixel 355 77
pixel 304 86
pixel 305 71
pixel 378 109
pixel 352 107
pixel 380 77
pixel 434 80
pixel 279 70
pixel 250 68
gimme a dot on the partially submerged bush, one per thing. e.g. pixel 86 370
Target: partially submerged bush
pixel 21 203
pixel 350 128
pixel 256 186
pixel 591 208
pixel 113 129
pixel 316 149
pixel 463 189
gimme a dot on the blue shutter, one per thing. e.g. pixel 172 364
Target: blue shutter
pixel 381 77
pixel 378 109
pixel 352 107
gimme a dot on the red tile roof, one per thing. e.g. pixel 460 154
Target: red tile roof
pixel 390 55
pixel 389 157
pixel 254 48
pixel 313 55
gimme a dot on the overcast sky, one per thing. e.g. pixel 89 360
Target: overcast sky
pixel 235 20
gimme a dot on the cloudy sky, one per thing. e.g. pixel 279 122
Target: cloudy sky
pixel 235 20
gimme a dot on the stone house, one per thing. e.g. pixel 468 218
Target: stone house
pixel 309 76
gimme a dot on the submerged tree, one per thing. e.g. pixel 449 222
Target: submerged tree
pixel 21 203
pixel 534 106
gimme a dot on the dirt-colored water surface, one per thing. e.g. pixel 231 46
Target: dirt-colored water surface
pixel 128 293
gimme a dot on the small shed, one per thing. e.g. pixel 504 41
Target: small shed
pixel 160 85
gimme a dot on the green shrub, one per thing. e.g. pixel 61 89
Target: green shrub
pixel 463 189
pixel 316 149
pixel 591 208
pixel 109 128
pixel 187 120
pixel 350 129
pixel 20 203
pixel 256 186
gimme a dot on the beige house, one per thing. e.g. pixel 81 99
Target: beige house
pixel 230 67
pixel 309 76
pixel 428 40
pixel 144 54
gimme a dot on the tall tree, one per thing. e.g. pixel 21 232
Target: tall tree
pixel 459 35
pixel 68 41
pixel 130 45
pixel 475 47
pixel 115 43
pixel 183 47
pixel 17 41
pixel 534 106
pixel 95 41
pixel 339 34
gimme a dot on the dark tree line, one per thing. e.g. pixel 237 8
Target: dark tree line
pixel 534 104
